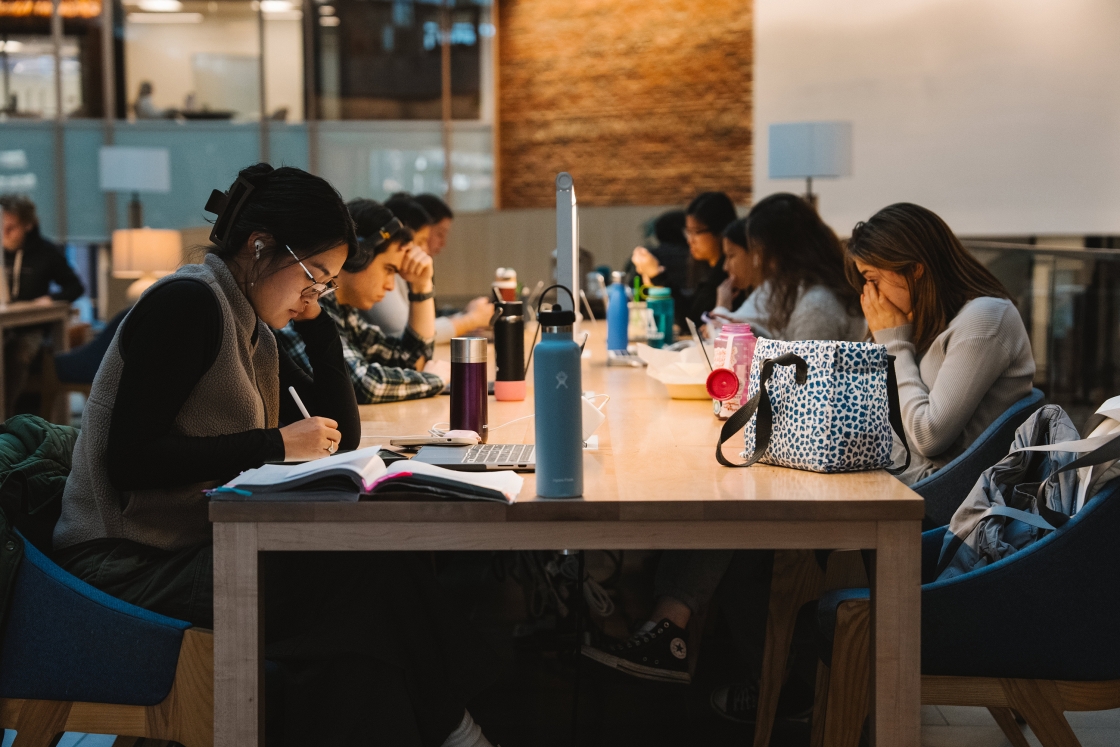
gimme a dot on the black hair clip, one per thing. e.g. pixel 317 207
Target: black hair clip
pixel 227 206
pixel 390 228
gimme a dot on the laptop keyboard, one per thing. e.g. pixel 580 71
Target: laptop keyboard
pixel 499 454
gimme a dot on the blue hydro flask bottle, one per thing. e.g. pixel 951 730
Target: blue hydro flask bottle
pixel 559 411
pixel 618 313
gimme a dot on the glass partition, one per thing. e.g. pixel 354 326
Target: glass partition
pixel 381 59
pixel 377 159
pixel 1069 299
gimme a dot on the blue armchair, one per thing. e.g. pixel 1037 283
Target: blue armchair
pixel 1033 634
pixel 796 578
pixel 73 658
pixel 947 488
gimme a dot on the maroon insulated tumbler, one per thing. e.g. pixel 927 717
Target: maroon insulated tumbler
pixel 468 385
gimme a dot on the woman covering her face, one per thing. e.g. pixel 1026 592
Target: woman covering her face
pixel 961 351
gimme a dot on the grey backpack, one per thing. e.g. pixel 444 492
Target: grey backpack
pixel 1031 491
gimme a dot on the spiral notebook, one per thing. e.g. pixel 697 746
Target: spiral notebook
pixel 353 475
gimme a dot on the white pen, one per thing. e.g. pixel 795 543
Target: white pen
pixel 299 403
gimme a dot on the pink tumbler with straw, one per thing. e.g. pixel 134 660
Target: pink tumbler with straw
pixel 727 383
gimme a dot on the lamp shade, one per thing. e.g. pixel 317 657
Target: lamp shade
pixel 145 251
pixel 800 150
pixel 128 169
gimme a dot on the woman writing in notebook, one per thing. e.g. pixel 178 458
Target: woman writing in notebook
pixel 381 368
pixel 191 392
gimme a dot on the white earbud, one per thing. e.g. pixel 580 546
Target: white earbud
pixel 259 245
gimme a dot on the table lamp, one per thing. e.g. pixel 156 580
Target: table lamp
pixel 145 254
pixel 804 150
pixel 128 169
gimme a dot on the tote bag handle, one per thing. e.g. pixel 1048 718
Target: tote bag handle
pixel 760 402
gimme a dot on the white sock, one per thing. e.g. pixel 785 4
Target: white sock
pixel 468 734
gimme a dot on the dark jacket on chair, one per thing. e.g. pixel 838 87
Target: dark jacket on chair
pixel 34 463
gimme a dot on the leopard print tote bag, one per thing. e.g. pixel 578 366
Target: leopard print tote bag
pixel 819 405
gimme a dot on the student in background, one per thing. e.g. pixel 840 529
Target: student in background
pixel 31 264
pixel 382 368
pixel 390 313
pixel 479 310
pixel 796 264
pixel 189 395
pixel 667 262
pixel 962 354
pixel 705 220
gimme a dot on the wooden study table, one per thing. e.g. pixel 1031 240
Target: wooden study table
pixel 27 314
pixel 652 483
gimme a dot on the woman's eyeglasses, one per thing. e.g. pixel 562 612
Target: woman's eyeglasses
pixel 316 289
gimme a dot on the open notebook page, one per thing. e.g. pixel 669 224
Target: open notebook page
pixel 506 482
pixel 364 464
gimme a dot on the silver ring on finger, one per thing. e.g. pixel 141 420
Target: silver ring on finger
pixel 332 447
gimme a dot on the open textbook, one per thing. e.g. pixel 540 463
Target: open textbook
pixel 351 475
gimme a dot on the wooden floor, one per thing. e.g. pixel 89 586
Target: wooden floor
pixel 941 727
pixel 951 726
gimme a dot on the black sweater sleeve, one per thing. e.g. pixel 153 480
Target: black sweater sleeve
pixel 60 271
pixel 328 394
pixel 169 341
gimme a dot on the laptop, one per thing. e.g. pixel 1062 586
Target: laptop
pixel 480 457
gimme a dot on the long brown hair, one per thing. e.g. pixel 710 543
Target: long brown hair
pixel 798 251
pixel 900 237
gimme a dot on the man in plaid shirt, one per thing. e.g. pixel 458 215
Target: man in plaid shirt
pixel 382 368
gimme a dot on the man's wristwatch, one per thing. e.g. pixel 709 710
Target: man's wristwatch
pixel 418 297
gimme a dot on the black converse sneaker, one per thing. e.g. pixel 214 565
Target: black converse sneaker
pixel 737 703
pixel 659 654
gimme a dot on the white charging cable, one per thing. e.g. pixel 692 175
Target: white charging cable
pixel 435 430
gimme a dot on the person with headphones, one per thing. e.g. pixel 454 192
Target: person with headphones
pixel 382 368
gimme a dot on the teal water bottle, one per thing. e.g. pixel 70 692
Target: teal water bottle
pixel 618 313
pixel 559 412
pixel 660 302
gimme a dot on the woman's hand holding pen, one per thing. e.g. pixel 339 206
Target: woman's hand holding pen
pixel 310 438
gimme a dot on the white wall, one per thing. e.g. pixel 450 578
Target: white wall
pixel 1001 115
pixel 162 54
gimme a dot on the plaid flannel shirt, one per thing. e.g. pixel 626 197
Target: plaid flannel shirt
pixel 380 366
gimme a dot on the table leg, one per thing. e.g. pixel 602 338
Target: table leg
pixel 60 339
pixel 3 380
pixel 896 645
pixel 238 639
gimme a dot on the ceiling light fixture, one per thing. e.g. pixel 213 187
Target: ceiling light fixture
pixel 165 18
pixel 160 6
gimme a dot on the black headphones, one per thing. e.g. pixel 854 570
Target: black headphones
pixel 228 206
pixel 384 233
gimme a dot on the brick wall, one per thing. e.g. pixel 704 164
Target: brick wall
pixel 645 102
